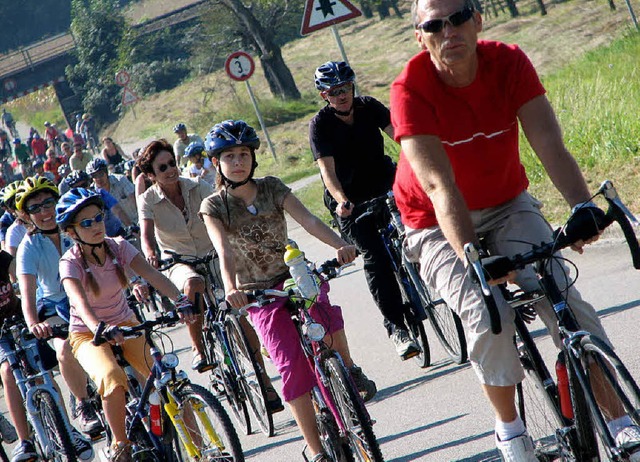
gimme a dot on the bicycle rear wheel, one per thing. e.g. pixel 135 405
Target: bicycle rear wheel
pixel 357 423
pixel 445 323
pixel 55 427
pixel 209 426
pixel 250 375
pixel 611 392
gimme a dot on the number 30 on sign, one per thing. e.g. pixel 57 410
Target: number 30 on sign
pixel 239 66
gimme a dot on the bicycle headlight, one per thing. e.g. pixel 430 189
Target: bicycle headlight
pixel 170 361
pixel 315 331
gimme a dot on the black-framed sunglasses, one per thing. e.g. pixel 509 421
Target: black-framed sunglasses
pixel 44 205
pixel 88 222
pixel 163 167
pixel 433 26
pixel 346 88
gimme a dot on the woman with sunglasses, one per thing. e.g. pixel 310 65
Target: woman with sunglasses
pixel 113 262
pixel 169 222
pixel 44 302
pixel 347 142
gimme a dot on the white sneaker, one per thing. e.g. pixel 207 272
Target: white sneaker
pixel 518 449
pixel 404 345
pixel 629 439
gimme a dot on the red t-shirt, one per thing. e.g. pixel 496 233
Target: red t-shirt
pixel 38 146
pixel 477 125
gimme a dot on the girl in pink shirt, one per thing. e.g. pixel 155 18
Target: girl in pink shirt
pixel 110 261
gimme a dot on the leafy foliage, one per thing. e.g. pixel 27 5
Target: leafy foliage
pixel 27 21
pixel 102 49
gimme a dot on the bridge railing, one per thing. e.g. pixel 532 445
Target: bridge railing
pixel 36 53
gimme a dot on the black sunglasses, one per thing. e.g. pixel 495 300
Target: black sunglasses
pixel 88 222
pixel 346 88
pixel 44 205
pixel 433 26
pixel 163 167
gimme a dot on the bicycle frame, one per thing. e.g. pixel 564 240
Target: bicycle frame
pixel 164 379
pixel 32 379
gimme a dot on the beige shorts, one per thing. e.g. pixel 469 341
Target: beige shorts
pixel 100 363
pixel 506 230
pixel 180 274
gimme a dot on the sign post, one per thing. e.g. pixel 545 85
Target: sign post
pixel 319 14
pixel 240 66
pixel 128 96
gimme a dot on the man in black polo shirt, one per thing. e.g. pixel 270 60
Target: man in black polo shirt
pixel 347 142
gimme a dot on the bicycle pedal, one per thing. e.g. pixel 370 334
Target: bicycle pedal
pixel 97 436
pixel 409 355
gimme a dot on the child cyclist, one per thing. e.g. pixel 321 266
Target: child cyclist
pixel 95 257
pixel 246 223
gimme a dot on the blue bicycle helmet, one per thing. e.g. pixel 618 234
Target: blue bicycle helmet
pixel 333 74
pixel 72 202
pixel 76 177
pixel 96 165
pixel 17 141
pixel 179 127
pixel 194 148
pixel 228 134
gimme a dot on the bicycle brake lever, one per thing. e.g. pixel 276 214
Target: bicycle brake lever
pixel 473 257
pixel 609 192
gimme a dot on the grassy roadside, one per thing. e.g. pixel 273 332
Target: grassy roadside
pixel 595 92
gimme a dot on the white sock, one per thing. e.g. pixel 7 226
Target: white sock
pixel 509 430
pixel 616 425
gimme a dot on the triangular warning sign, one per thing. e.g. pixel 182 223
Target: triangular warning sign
pixel 128 96
pixel 324 13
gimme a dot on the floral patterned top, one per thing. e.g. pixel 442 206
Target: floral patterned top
pixel 258 233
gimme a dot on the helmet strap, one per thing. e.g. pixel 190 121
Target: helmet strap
pixel 94 247
pixel 48 231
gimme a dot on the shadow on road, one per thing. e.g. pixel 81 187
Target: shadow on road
pixel 266 447
pixel 437 370
pixel 422 455
pixel 618 308
pixel 603 313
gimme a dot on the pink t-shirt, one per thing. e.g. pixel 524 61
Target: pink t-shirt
pixel 111 305
pixel 477 124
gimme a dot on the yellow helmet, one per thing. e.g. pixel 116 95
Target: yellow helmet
pixel 9 192
pixel 31 186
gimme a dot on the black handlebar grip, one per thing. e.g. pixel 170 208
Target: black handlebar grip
pixel 98 337
pixel 618 215
pixel 494 314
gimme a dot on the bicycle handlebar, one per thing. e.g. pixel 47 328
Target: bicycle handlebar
pixel 176 258
pixel 330 269
pixel 168 320
pixel 616 211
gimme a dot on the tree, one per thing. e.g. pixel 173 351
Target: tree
pixel 102 48
pixel 257 24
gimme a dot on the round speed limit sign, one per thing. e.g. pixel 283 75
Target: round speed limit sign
pixel 239 66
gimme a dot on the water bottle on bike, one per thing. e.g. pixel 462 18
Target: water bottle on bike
pixel 305 280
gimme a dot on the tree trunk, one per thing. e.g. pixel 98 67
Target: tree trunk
pixel 543 9
pixel 365 6
pixel 383 9
pixel 277 73
pixel 394 6
pixel 513 8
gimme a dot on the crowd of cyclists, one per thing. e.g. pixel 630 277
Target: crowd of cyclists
pixel 66 209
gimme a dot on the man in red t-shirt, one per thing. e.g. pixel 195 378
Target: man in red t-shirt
pixel 455 110
pixel 38 146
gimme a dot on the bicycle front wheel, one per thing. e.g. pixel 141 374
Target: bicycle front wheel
pixel 250 376
pixel 354 417
pixel 212 434
pixel 445 323
pixel 59 446
pixel 611 392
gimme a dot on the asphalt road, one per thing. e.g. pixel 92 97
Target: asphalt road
pixel 439 413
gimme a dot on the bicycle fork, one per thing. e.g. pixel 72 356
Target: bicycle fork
pixel 172 408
